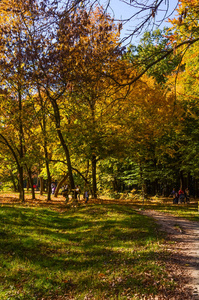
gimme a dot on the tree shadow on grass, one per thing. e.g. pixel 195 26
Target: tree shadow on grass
pixel 105 249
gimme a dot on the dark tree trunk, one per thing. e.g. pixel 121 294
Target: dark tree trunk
pixel 87 170
pixel 63 143
pixel 28 185
pixel 60 183
pixel 70 173
pixel 13 181
pixel 21 187
pixel 31 183
pixel 48 173
pixel 41 186
pixel 21 149
pixel 94 172
pixel 182 184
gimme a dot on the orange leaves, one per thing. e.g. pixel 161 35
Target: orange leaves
pixel 185 23
pixel 189 3
pixel 89 35
pixel 147 114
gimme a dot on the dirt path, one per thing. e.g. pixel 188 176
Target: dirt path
pixel 185 235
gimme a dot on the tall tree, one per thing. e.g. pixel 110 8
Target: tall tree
pixel 97 54
pixel 151 47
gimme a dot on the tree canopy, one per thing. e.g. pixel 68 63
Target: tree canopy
pixel 77 106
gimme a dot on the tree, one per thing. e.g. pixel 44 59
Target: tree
pixel 92 91
pixel 145 14
pixel 150 48
pixel 146 123
pixel 187 97
pixel 40 107
pixel 15 85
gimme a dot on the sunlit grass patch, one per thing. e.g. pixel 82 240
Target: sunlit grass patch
pixel 188 211
pixel 98 251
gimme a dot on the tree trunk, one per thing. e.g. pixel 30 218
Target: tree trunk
pixel 94 181
pixel 46 154
pixel 41 186
pixel 19 168
pixel 48 173
pixel 21 188
pixel 63 143
pixel 13 181
pixel 72 184
pixel 21 150
pixel 31 183
pixel 87 170
pixel 142 184
pixel 182 186
pixel 28 185
pixel 60 183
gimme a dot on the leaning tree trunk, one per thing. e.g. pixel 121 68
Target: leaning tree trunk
pixel 60 183
pixel 63 143
pixel 72 184
pixel 19 167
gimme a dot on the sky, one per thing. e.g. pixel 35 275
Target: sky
pixel 121 11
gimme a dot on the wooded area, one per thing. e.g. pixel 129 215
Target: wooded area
pixel 78 107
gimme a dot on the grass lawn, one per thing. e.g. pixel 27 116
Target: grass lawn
pixel 99 251
pixel 187 211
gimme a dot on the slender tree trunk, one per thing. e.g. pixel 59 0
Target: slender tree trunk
pixel 41 186
pixel 18 188
pixel 28 184
pixel 63 143
pixel 72 184
pixel 94 160
pixel 87 170
pixel 48 173
pixel 182 180
pixel 188 180
pixel 142 184
pixel 31 183
pixel 19 168
pixel 46 157
pixel 21 152
pixel 21 187
pixel 13 181
pixel 94 172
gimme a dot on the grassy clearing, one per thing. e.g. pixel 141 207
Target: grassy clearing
pixel 188 211
pixel 91 252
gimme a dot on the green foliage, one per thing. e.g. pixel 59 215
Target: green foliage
pixel 150 48
pixel 188 97
pixel 63 111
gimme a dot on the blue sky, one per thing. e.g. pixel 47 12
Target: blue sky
pixel 121 11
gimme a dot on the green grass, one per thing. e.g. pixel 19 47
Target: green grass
pixel 93 252
pixel 188 211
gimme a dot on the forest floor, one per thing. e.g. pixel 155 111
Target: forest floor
pixel 181 236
